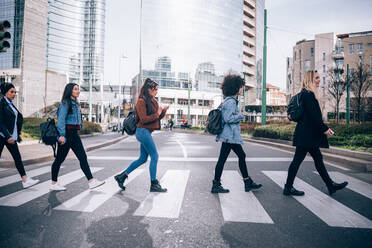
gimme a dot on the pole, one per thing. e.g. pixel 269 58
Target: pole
pixel 347 96
pixel 140 57
pixel 119 95
pixel 90 98
pixel 188 101
pixel 263 118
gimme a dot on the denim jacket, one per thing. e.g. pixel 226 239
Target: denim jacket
pixel 231 118
pixel 64 117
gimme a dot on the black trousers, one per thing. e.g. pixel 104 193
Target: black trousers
pixel 224 153
pixel 299 156
pixel 14 151
pixel 74 142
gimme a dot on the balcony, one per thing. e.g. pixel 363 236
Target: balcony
pixel 249 31
pixel 250 61
pixel 250 3
pixel 249 51
pixel 250 71
pixel 249 40
pixel 337 55
pixel 250 22
pixel 249 12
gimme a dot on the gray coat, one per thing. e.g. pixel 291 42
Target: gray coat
pixel 231 118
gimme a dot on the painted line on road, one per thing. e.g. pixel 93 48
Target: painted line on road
pixel 166 205
pixel 183 148
pixel 238 205
pixel 23 196
pixel 90 200
pixel 355 185
pixel 3 169
pixel 332 212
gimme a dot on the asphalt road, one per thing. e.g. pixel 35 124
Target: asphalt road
pixel 188 215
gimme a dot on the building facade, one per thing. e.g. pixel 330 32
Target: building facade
pixel 274 97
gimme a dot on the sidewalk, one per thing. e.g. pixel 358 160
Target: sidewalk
pixel 34 152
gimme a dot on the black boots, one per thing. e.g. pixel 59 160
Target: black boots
pixel 249 184
pixel 217 187
pixel 292 191
pixel 155 187
pixel 336 186
pixel 120 178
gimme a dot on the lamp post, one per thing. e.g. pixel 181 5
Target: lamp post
pixel 122 56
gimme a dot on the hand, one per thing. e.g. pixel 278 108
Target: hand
pixel 329 132
pixel 160 109
pixel 11 141
pixel 62 140
pixel 166 108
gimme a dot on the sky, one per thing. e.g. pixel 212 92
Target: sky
pixel 288 21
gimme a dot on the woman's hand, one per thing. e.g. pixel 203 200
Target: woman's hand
pixel 166 108
pixel 11 141
pixel 160 109
pixel 62 140
pixel 329 132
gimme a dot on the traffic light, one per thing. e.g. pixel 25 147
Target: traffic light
pixel 4 35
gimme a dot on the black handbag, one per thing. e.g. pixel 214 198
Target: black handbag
pixel 130 123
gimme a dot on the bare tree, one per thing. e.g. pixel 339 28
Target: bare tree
pixel 360 83
pixel 336 87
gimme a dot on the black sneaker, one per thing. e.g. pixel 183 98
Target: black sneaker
pixel 217 187
pixel 156 187
pixel 120 179
pixel 249 184
pixel 292 191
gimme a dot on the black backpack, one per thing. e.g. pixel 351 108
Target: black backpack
pixel 49 134
pixel 130 123
pixel 214 121
pixel 295 108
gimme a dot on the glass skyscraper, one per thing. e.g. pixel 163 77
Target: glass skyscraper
pixel 75 45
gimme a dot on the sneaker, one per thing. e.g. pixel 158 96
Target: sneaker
pixel 29 182
pixel 95 183
pixel 56 187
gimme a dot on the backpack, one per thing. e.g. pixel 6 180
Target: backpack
pixel 49 134
pixel 130 123
pixel 214 121
pixel 295 108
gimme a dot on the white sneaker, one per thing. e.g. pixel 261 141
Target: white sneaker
pixel 57 187
pixel 29 182
pixel 95 183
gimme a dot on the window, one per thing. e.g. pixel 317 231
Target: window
pixel 360 60
pixel 370 74
pixel 300 55
pixel 295 56
pixel 351 48
pixel 360 47
pixel 312 52
pixel 351 72
pixel 323 80
pixel 324 57
pixel 307 65
pixel 370 44
pixel 324 68
pixel 370 60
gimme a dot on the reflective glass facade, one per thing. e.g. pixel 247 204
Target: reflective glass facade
pixel 76 30
pixel 260 6
pixel 193 32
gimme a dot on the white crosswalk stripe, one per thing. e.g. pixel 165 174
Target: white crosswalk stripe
pixel 23 196
pixel 325 207
pixel 90 200
pixel 238 205
pixel 17 178
pixel 166 205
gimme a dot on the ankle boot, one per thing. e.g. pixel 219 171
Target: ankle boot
pixel 155 187
pixel 217 187
pixel 333 187
pixel 120 178
pixel 249 184
pixel 292 191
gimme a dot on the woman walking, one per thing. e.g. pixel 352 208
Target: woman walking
pixel 148 115
pixel 69 123
pixel 310 135
pixel 11 121
pixel 232 87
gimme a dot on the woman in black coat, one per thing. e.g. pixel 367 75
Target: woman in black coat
pixel 310 135
pixel 10 130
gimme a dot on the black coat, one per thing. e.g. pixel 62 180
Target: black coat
pixel 7 118
pixel 310 129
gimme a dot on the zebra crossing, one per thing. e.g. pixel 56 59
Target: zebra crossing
pixel 236 206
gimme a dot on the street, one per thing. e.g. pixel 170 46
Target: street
pixel 188 215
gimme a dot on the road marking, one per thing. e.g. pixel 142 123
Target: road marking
pixel 90 200
pixel 166 205
pixel 17 178
pixel 183 148
pixel 355 185
pixel 238 205
pixel 332 212
pixel 3 169
pixel 197 159
pixel 23 196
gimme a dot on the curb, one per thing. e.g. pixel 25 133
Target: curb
pixel 8 164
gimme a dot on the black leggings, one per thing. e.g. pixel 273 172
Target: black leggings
pixel 74 142
pixel 13 149
pixel 224 153
pixel 299 156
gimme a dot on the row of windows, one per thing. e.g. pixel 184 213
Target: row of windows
pixel 360 48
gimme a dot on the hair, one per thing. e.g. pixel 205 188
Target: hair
pixel 145 95
pixel 5 87
pixel 308 82
pixel 67 93
pixel 231 84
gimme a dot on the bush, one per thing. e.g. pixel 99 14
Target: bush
pixel 248 127
pixel 275 131
pixel 90 127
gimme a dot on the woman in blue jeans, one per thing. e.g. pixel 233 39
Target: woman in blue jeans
pixel 148 116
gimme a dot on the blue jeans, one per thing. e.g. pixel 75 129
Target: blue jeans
pixel 147 148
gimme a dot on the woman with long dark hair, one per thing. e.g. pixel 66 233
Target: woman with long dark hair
pixel 11 121
pixel 310 135
pixel 69 123
pixel 148 115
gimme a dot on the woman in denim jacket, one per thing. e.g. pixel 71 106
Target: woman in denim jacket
pixel 232 87
pixel 69 122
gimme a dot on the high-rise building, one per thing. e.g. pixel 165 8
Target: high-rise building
pixel 206 78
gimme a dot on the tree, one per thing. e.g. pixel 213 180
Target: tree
pixel 360 83
pixel 336 87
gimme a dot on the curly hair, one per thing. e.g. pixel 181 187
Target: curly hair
pixel 231 84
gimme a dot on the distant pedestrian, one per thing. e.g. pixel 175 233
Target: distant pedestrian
pixel 232 87
pixel 11 121
pixel 69 123
pixel 170 124
pixel 148 115
pixel 310 134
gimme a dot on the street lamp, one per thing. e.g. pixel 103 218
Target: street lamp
pixel 122 56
